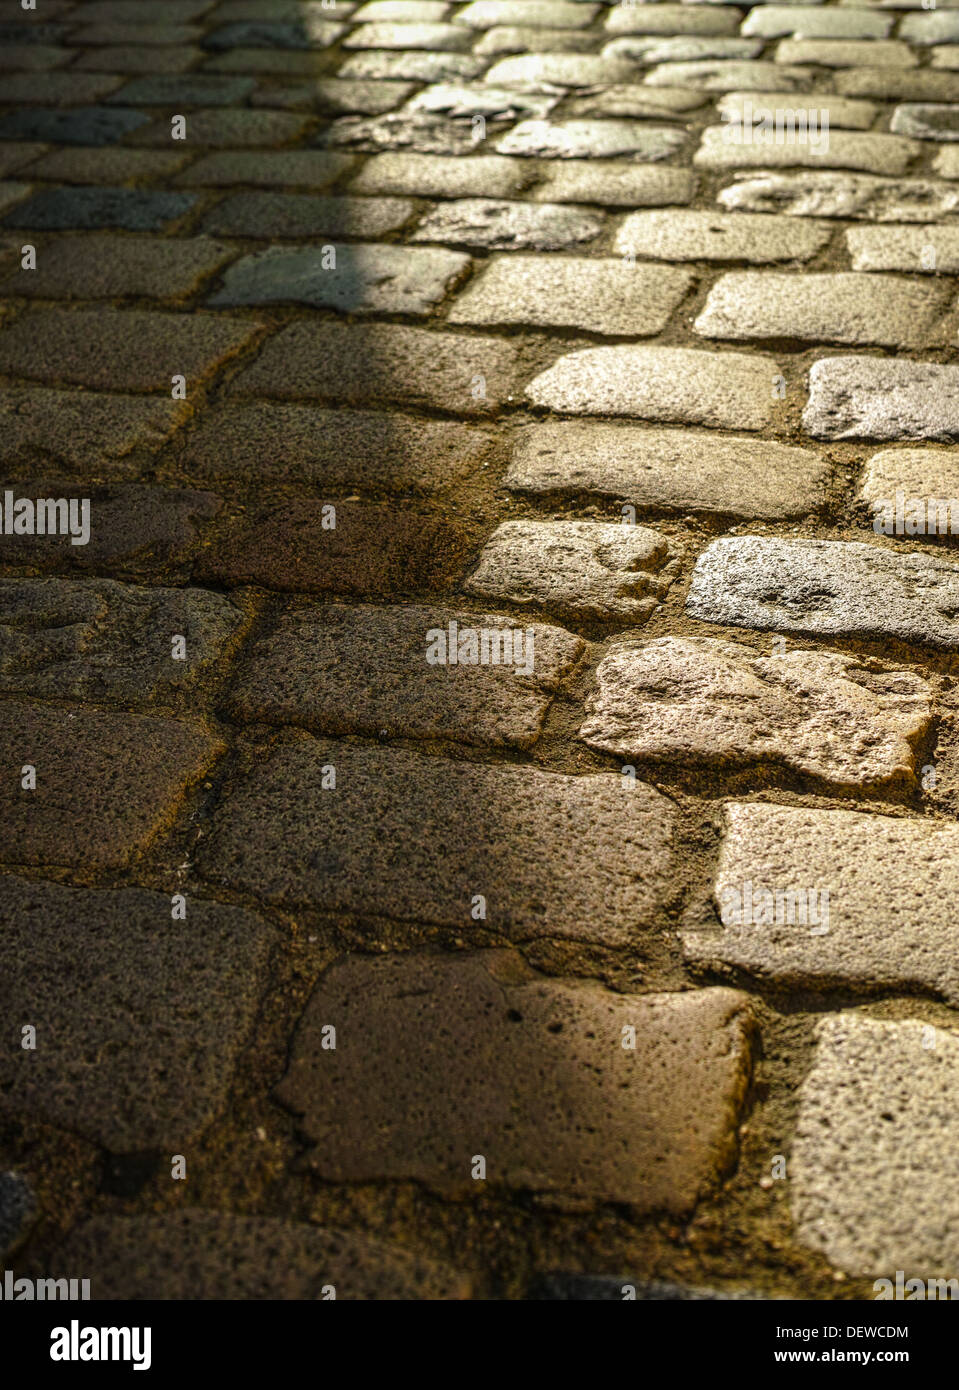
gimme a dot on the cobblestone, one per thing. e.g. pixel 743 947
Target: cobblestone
pixel 843 195
pixel 505 226
pixel 877 398
pixel 708 236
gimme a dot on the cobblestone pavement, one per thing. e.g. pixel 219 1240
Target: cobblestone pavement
pixel 481 750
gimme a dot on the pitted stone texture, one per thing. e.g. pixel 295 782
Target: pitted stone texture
pixel 884 876
pixel 129 1078
pixel 98 640
pixel 830 194
pixel 18 1212
pixel 364 279
pixel 842 149
pixel 613 184
pixel 829 588
pixel 681 235
pixel 801 22
pixel 834 308
pixel 926 121
pixel 503 226
pixel 721 75
pixel 191 1254
pixel 419 132
pixel 721 704
pixel 672 19
pixel 109 267
pixel 549 14
pixel 546 72
pixel 415 838
pixel 583 569
pixel 758 106
pixel 83 430
pixel 635 140
pixel 675 470
pixel 411 66
pixel 686 49
pixel 338 449
pixel 927 475
pixel 439 38
pixel 386 362
pixel 897 84
pixel 437 176
pixel 881 398
pixel 510 38
pixel 446 1048
pixel 493 103
pixel 728 390
pixel 314 671
pixel 847 53
pixel 631 99
pixel 927 249
pixel 106 784
pixel 600 296
pixel 873 1185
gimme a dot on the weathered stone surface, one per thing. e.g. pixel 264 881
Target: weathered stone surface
pixel 633 100
pixel 684 49
pixel 80 125
pixel 728 390
pixel 550 14
pixel 930 249
pixel 81 430
pixel 300 216
pixel 840 149
pixel 881 874
pixel 273 35
pixel 109 267
pixel 847 53
pixel 501 226
pixel 929 477
pixel 114 164
pixel 600 296
pixel 515 38
pixel 724 75
pixel 99 640
pixel 685 235
pixel 897 84
pixel 722 704
pixel 129 1078
pixel 841 112
pixel 844 308
pixel 18 1212
pixel 830 194
pixel 881 398
pixel 315 671
pixel 106 784
pixel 675 470
pixel 926 121
pixel 267 169
pixel 946 162
pixel 448 1047
pixel 419 132
pixel 415 838
pixel 461 102
pixel 612 184
pixel 382 65
pixel 191 1254
pixel 223 127
pixel 583 569
pixel 540 72
pixel 829 588
pixel 366 279
pixel 930 28
pixel 437 176
pixel 132 209
pixel 184 89
pixel 801 22
pixel 672 19
pixel 586 139
pixel 438 38
pixel 873 1184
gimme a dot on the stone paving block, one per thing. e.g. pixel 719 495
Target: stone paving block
pixel 314 671
pixel 839 149
pixel 109 166
pixel 441 38
pixel 191 1254
pixel 548 14
pixel 383 66
pixel 223 127
pixel 402 12
pixel 699 702
pixel 110 267
pixel 297 216
pixel 83 430
pixel 675 470
pixel 148 35
pixel 828 588
pixel 340 96
pixel 847 53
pixel 873 1184
pixel 586 139
pixel 81 125
pixel 656 48
pixel 801 22
pixel 612 184
pixel 599 296
pixel 842 195
pixel 106 784
pixel 187 89
pixel 931 249
pixel 842 112
pixel 926 121
pixel 725 390
pixel 418 133
pixel 554 856
pixel 505 38
pixel 930 28
pixel 473 1054
pixel 373 550
pixel 504 226
pixel 56 88
pixel 897 84
pixel 268 169
pixel 94 639
pixel 129 1078
pixel 386 362
pixel 680 235
pixel 436 176
pixel 878 874
pixel 672 19
pixel 272 62
pixel 879 398
pixel 927 481
pixel 722 75
pixel 16 153
pixel 634 100
pixel 312 34
pixel 131 58
pixel 365 279
pixel 338 449
pixel 583 570
pixel 461 101
pixel 120 349
pixel 555 71
pixel 129 209
pixel 838 308
pixel 18 1212
pixel 946 163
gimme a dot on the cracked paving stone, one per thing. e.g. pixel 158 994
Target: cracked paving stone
pixel 758 106
pixel 555 71
pixel 613 184
pixel 314 671
pixel 107 785
pixel 928 480
pixel 503 226
pixel 829 194
pixel 366 279
pixel 297 216
pixel 108 267
pixel 878 875
pixel 680 235
pixel 827 588
pixel 801 22
pixel 730 75
pixel 384 66
pixel 588 139
pixel 584 570
pixel 494 103
pixel 600 296
pixel 81 430
pixel 928 249
pixel 926 121
pixel 721 704
pixel 18 1212
pixel 437 176
pixel 129 1079
pixel 445 1040
pixel 192 1254
pixel 416 837
pixel 94 639
pixel 672 19
pixel 655 48
pixel 881 398
pixel 675 470
pixel 81 125
pixel 728 390
pixel 547 14
pixel 129 209
pixel 842 149
pixel 873 1184
pixel 420 133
